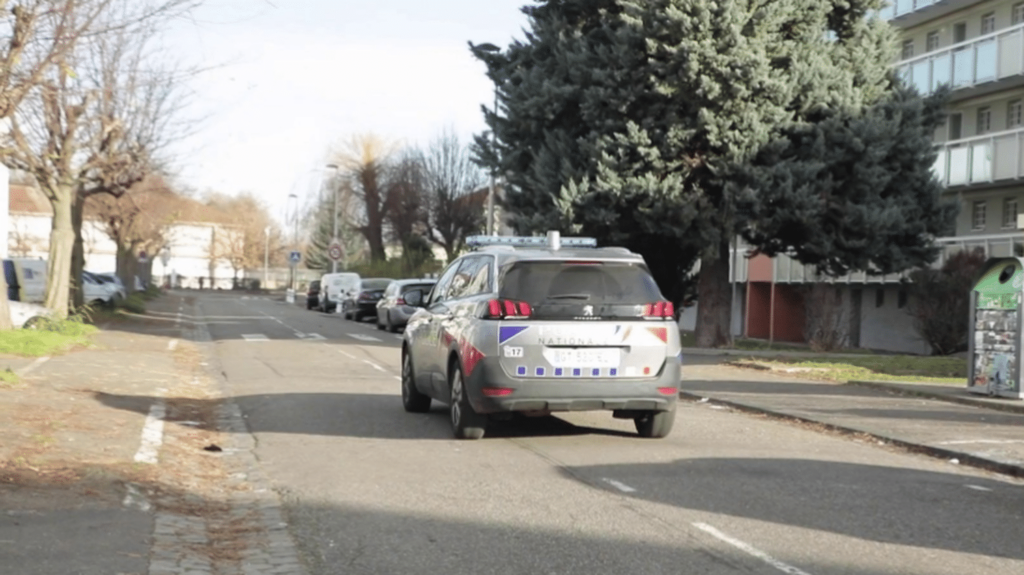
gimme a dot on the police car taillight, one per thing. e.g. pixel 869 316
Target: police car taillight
pixel 659 310
pixel 506 308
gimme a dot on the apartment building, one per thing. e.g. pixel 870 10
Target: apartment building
pixel 976 47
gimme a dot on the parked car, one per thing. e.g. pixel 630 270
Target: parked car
pixel 313 294
pixel 95 291
pixel 336 287
pixel 363 303
pixel 26 279
pixel 542 325
pixel 114 282
pixel 27 315
pixel 392 311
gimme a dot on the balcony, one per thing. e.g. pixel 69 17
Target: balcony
pixel 982 159
pixel 912 12
pixel 976 65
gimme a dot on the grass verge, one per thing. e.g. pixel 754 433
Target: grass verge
pixel 905 368
pixel 8 378
pixel 50 336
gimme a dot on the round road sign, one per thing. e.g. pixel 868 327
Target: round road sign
pixel 335 251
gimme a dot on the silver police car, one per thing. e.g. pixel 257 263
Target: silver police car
pixel 537 325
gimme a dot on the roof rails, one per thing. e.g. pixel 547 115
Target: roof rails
pixel 553 241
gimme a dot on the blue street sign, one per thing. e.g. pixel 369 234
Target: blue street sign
pixel 295 257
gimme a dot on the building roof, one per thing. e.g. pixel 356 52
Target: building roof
pixel 27 200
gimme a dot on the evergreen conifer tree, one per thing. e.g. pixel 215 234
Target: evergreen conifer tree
pixel 672 126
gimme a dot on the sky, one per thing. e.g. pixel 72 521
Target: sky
pixel 288 79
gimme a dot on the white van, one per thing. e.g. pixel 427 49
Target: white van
pixel 336 288
pixel 31 279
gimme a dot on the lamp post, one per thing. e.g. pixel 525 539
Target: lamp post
pixel 490 192
pixel 266 257
pixel 295 238
pixel 334 234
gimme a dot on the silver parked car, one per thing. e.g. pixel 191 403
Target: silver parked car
pixel 392 310
pixel 541 325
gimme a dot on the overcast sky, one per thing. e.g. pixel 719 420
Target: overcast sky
pixel 294 76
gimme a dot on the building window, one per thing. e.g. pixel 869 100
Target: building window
pixel 879 297
pixel 984 120
pixel 959 32
pixel 1018 13
pixel 1014 114
pixel 988 23
pixel 908 49
pixel 932 43
pixel 1010 212
pixel 978 216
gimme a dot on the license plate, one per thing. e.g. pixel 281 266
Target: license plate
pixel 584 357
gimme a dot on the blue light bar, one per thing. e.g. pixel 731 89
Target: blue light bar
pixel 553 241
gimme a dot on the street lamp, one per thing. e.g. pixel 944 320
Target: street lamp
pixel 295 241
pixel 266 257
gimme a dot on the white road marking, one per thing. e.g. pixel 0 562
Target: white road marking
pixel 314 336
pixel 32 366
pixel 374 365
pixel 977 487
pixel 397 336
pixel 152 434
pixel 750 550
pixel 398 377
pixel 346 354
pixel 619 485
pixel 135 499
pixel 255 337
pixel 363 337
pixel 172 345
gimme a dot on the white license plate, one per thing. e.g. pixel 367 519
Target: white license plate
pixel 585 357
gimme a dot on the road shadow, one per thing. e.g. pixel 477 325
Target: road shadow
pixel 359 415
pixel 890 505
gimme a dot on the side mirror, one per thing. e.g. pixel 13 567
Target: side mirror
pixel 413 298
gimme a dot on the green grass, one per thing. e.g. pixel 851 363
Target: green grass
pixel 908 368
pixel 689 339
pixel 51 336
pixel 8 378
pixel 134 303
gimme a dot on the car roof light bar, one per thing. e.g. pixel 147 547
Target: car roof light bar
pixel 554 241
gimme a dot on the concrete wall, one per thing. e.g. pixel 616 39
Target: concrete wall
pixel 688 318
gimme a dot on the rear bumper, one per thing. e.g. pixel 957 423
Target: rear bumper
pixel 367 308
pixel 571 394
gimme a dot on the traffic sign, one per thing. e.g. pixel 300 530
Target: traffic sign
pixel 295 257
pixel 336 251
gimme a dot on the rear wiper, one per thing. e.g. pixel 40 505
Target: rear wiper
pixel 583 296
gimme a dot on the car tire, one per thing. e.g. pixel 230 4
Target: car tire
pixel 412 399
pixel 387 323
pixel 466 422
pixel 380 326
pixel 357 316
pixel 655 424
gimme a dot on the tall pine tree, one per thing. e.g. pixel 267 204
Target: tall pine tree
pixel 672 126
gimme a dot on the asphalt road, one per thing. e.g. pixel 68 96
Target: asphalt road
pixel 371 489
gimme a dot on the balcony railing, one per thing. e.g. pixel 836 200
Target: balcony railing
pixel 898 8
pixel 981 159
pixel 983 59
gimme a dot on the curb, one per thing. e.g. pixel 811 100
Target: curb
pixel 896 389
pixel 1012 470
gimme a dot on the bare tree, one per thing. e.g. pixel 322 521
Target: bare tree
pixel 365 159
pixel 453 211
pixel 242 240
pixel 407 213
pixel 59 138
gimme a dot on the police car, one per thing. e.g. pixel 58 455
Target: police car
pixel 537 325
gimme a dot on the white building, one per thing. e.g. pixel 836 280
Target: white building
pixel 191 245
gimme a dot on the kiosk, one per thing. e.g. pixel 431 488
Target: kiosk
pixel 994 341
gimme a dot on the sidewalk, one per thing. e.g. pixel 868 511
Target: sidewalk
pixel 939 421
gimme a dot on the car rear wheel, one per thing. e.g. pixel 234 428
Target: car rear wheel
pixel 655 424
pixel 466 423
pixel 412 400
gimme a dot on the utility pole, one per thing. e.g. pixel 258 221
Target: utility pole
pixel 266 257
pixel 490 193
pixel 334 234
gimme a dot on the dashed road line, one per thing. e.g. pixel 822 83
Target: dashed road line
pixel 750 550
pixel 32 366
pixel 172 345
pixel 619 485
pixel 255 337
pixel 346 354
pixel 152 434
pixel 977 487
pixel 363 337
pixel 135 499
pixel 374 365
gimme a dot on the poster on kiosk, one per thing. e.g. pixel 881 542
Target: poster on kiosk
pixel 994 342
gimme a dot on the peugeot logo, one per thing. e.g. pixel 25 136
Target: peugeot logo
pixel 588 310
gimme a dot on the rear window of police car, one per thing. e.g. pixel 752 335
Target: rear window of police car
pixel 537 282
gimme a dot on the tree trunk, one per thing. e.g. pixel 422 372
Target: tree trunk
pixel 78 255
pixel 5 309
pixel 62 243
pixel 125 269
pixel 714 308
